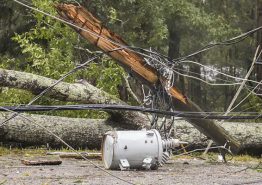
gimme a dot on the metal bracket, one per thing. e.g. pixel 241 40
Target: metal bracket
pixel 124 164
pixel 147 163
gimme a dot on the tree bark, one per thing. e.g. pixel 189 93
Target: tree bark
pixel 174 34
pixel 71 92
pixel 87 133
pixel 195 85
pixel 77 132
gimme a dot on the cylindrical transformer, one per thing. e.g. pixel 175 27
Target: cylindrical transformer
pixel 134 149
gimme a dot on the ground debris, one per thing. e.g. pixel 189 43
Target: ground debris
pixel 88 155
pixel 41 162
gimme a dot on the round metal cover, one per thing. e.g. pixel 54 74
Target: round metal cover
pixel 108 151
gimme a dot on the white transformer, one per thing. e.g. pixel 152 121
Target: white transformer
pixel 142 149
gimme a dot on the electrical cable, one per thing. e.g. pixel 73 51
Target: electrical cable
pixel 202 149
pixel 231 41
pixel 206 82
pixel 227 75
pixel 113 107
pixel 243 99
pixel 216 78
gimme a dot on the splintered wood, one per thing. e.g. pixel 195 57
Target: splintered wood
pixel 84 19
pixel 92 30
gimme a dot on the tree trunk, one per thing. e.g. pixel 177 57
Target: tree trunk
pixel 195 85
pixel 13 19
pixel 71 92
pixel 77 132
pixel 174 48
pixel 87 133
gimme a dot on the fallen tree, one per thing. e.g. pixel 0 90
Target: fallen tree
pixel 87 133
pixel 82 93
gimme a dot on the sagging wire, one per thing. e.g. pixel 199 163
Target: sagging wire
pixel 116 107
pixel 256 57
pixel 229 109
pixel 205 81
pixel 202 51
pixel 216 71
pixel 258 166
pixel 247 87
pixel 67 145
pixel 203 149
pixel 231 41
pixel 252 91
pixel 159 95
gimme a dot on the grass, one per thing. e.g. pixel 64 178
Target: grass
pixel 17 151
pixel 212 156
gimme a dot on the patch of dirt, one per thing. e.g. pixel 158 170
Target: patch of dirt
pixel 179 171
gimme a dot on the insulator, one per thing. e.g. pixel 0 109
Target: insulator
pixel 170 143
pixel 165 158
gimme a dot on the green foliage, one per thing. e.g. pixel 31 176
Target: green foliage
pixel 107 74
pixel 48 46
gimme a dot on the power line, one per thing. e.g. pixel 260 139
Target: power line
pixel 256 57
pixel 243 99
pixel 231 41
pixel 113 107
pixel 216 71
pixel 206 82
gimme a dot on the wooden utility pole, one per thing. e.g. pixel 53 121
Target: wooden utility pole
pixel 93 31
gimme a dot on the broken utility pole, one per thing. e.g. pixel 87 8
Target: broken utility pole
pixel 92 30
